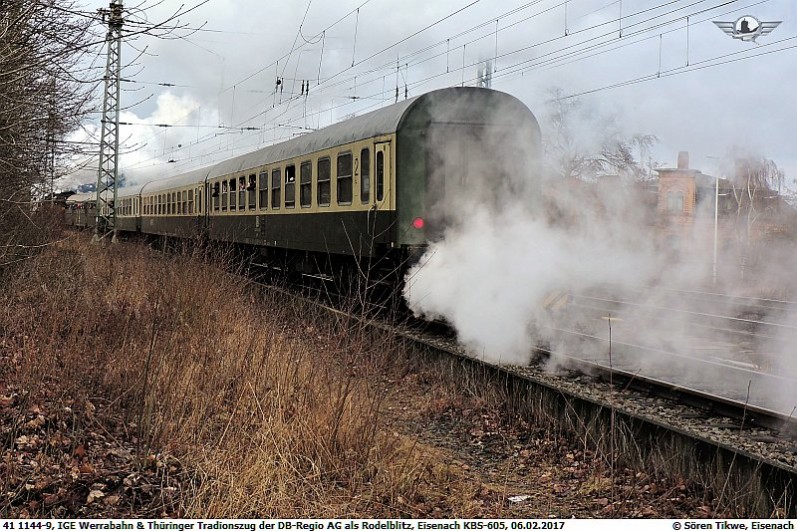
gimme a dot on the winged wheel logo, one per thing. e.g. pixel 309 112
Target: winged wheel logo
pixel 747 28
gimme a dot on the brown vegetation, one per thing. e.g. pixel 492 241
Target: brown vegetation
pixel 184 391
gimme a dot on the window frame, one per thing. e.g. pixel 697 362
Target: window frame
pixel 365 175
pixel 379 176
pixel 306 184
pixel 321 182
pixel 290 184
pixel 345 179
pixel 262 189
pixel 242 195
pixel 232 190
pixel 276 191
pixel 251 192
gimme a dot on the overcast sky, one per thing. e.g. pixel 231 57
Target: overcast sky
pixel 225 74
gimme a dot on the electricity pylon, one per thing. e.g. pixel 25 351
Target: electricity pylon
pixel 108 169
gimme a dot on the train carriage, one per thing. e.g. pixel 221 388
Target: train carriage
pixel 174 206
pixel 128 209
pixel 81 210
pixel 377 185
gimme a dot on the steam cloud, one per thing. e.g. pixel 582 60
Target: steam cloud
pixel 492 270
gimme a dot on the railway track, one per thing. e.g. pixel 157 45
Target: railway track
pixel 737 388
pixel 728 439
pixel 736 361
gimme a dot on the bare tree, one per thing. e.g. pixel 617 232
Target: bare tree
pixel 756 186
pixel 566 157
pixel 582 144
pixel 45 92
pixel 617 156
pixel 51 67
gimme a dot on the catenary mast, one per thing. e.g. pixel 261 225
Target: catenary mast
pixel 108 169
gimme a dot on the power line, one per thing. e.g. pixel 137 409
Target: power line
pixel 513 69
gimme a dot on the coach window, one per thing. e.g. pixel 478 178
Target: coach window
pixel 276 190
pixel 167 201
pixel 324 177
pixel 306 184
pixel 252 190
pixel 344 179
pixel 290 186
pixel 242 192
pixel 175 202
pixel 191 201
pixel 224 196
pixel 185 201
pixel 380 175
pixel 215 194
pixel 365 176
pixel 199 200
pixel 232 188
pixel 263 190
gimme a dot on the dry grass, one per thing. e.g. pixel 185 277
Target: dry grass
pixel 272 409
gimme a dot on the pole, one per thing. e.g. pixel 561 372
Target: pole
pixel 716 223
pixel 108 168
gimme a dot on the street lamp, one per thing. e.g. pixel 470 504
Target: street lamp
pixel 716 224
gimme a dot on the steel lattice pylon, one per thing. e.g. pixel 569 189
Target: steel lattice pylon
pixel 108 169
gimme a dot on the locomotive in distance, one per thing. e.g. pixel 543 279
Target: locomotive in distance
pixel 375 187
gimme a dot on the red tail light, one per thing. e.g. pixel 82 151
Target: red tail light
pixel 418 223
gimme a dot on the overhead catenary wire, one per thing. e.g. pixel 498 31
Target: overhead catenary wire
pixel 463 67
pixel 448 69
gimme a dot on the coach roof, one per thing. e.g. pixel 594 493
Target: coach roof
pixel 375 123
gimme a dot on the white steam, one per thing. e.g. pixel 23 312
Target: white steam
pixel 499 270
pixel 490 274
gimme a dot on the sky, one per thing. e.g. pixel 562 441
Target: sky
pixel 636 62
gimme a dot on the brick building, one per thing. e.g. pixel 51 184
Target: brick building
pixel 747 220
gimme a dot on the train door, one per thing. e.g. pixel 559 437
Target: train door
pixel 383 182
